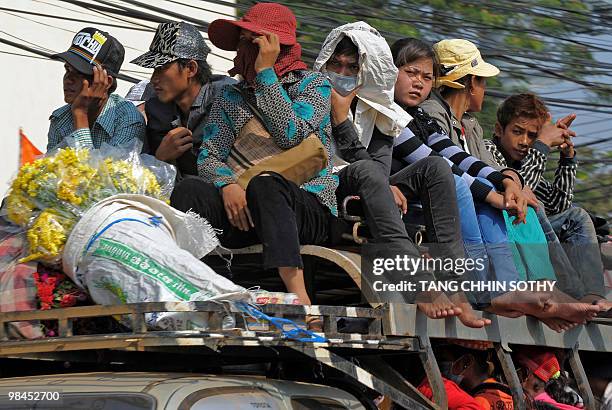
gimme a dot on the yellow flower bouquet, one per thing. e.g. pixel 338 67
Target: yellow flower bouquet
pixel 49 195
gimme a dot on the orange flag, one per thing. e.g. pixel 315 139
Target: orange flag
pixel 27 151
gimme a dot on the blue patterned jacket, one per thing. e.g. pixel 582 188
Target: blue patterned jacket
pixel 293 107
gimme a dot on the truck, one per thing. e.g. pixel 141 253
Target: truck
pixel 365 357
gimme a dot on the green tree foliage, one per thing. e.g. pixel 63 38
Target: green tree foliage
pixel 594 182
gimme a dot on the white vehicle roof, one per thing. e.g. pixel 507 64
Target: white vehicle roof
pixel 179 391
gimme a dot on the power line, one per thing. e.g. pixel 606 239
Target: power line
pixel 95 23
pixel 72 19
pixel 48 55
pixel 26 41
pixel 70 31
pixel 203 9
pixel 581 191
pixel 144 16
pixel 22 55
pixel 116 8
pixel 595 142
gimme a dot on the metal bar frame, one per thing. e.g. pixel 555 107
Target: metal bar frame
pixel 430 365
pixel 505 359
pixel 407 398
pixel 394 328
pixel 581 378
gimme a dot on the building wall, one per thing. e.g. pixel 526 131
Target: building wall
pixel 32 87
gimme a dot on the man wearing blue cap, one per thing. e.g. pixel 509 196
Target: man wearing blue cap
pixel 185 89
pixel 92 114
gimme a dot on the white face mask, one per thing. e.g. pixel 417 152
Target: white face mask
pixel 343 84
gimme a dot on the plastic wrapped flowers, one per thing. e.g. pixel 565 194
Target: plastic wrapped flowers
pixel 49 195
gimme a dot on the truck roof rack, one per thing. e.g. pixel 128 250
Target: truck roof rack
pixel 392 329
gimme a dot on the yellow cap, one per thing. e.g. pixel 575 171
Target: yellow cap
pixel 459 58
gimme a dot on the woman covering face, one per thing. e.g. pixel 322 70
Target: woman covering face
pixel 291 103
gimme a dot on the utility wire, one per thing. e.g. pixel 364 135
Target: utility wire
pixel 22 55
pixel 123 10
pixel 581 191
pixel 116 9
pixel 48 55
pixel 594 142
pixel 57 17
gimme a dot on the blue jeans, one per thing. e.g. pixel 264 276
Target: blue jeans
pixel 485 236
pixel 576 233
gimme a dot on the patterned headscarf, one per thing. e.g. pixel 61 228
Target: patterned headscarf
pixel 289 59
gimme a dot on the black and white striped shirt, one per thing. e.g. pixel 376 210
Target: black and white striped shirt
pixel 556 196
pixel 423 137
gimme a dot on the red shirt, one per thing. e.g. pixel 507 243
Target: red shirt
pixel 457 398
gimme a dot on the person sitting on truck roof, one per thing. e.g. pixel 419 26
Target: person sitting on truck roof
pixel 358 62
pixel 185 89
pixel 523 140
pixel 482 225
pixel 540 374
pixel 292 103
pixel 93 114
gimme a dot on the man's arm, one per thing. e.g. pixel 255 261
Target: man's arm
pixel 89 103
pixel 534 164
pixel 558 195
pixel 442 143
pixel 54 135
pixel 347 141
pixel 59 126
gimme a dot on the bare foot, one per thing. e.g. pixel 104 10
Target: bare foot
pixel 436 305
pixel 547 305
pixel 605 305
pixel 568 308
pixel 574 312
pixel 558 325
pixel 529 303
pixel 314 323
pixel 467 316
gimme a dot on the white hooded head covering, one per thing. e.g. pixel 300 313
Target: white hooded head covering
pixel 377 75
